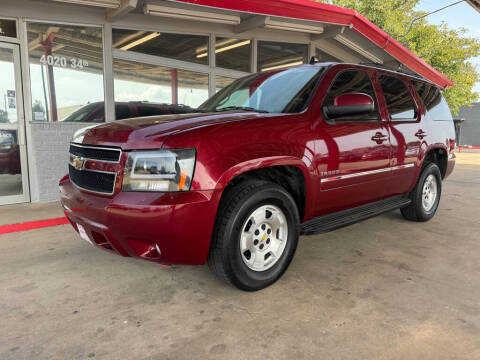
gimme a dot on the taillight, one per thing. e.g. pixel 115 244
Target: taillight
pixel 452 145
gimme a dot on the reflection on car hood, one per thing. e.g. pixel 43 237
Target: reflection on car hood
pixel 150 132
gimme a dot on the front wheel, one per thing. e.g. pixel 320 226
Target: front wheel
pixel 256 234
pixel 425 196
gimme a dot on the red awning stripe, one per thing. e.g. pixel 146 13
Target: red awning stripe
pixel 326 13
pixel 30 225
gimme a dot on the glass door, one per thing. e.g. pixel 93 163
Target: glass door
pixel 13 170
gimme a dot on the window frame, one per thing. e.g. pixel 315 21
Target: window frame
pixel 410 90
pixel 330 121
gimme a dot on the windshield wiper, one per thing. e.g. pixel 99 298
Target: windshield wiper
pixel 246 108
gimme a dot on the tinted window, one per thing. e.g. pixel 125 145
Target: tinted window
pixel 151 110
pixel 398 98
pixel 122 112
pixel 352 81
pixel 97 116
pixel 435 103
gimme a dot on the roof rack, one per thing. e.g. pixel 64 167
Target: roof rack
pixel 399 70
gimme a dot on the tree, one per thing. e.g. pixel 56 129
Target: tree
pixel 38 110
pixel 3 116
pixel 449 51
pixel 38 106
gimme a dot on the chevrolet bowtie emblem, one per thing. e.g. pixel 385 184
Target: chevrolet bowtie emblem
pixel 78 163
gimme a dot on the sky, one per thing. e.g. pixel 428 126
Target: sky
pixel 457 16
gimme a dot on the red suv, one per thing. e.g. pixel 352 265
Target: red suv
pixel 274 155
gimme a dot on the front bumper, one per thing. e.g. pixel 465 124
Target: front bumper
pixel 168 228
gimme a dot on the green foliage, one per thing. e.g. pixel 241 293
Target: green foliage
pixel 38 106
pixel 449 51
pixel 3 116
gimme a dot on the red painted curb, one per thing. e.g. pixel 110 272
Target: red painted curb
pixel 30 225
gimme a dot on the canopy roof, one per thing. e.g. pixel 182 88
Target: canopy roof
pixel 338 34
pixel 329 14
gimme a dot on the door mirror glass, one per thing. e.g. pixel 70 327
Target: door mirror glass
pixel 350 104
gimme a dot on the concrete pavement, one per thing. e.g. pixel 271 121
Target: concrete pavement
pixel 385 288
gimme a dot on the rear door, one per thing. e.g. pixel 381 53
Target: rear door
pixel 407 130
pixel 353 152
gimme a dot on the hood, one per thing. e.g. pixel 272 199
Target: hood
pixel 151 132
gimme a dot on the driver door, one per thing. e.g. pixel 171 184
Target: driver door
pixel 353 154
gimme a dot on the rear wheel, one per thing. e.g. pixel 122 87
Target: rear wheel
pixel 256 234
pixel 425 196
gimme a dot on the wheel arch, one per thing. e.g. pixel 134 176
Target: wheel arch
pixel 288 172
pixel 437 154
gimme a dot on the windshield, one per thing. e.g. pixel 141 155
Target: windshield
pixel 279 91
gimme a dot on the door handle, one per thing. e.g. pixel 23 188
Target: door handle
pixel 420 134
pixel 379 138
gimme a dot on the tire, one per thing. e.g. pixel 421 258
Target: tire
pixel 235 230
pixel 422 209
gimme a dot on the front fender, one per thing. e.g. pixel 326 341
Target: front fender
pixel 311 192
pixel 255 164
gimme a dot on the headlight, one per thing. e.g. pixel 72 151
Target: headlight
pixel 159 170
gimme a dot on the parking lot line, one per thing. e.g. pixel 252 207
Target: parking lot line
pixel 30 225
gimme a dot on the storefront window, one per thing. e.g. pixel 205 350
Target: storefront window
pixel 274 55
pixel 222 81
pixel 231 53
pixel 8 28
pixel 152 84
pixel 191 48
pixel 66 72
pixel 192 88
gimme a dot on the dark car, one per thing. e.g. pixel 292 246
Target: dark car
pixel 277 154
pixel 95 112
pixel 9 153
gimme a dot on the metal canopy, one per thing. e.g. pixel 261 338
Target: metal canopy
pixel 337 32
pixel 362 40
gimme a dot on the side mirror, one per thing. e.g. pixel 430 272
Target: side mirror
pixel 350 104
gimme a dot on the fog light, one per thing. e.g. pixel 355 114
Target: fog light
pixel 158 249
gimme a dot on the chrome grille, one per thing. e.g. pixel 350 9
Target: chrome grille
pixel 96 153
pixel 89 179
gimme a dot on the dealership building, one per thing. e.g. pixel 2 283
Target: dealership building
pixel 66 64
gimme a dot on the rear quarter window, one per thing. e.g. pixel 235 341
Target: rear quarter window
pixel 434 101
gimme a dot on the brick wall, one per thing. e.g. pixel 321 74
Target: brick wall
pixel 48 157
